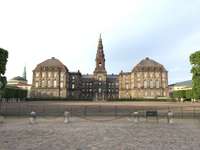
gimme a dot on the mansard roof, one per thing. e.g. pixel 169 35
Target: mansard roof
pixel 148 64
pixel 87 76
pixel 52 63
pixel 112 76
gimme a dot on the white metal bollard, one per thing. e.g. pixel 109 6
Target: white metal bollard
pixel 2 119
pixel 170 117
pixel 32 117
pixel 136 116
pixel 66 117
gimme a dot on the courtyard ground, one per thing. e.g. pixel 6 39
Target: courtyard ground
pixel 99 133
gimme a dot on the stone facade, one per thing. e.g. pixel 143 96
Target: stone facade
pixel 51 79
pixel 148 79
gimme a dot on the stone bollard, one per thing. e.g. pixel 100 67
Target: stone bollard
pixel 182 100
pixel 170 117
pixel 66 117
pixel 136 116
pixel 2 119
pixel 32 117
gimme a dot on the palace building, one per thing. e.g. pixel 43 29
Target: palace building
pixel 52 79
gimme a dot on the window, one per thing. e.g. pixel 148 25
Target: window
pixel 99 90
pixel 49 83
pixel 99 83
pixel 37 74
pixel 43 83
pixel 145 84
pixel 55 74
pixel 73 77
pixel 43 74
pixel 61 84
pixel 73 86
pixel 49 74
pixel 100 78
pixel 127 86
pixel 157 84
pixel 54 83
pixel 62 76
pixel 145 74
pixel 151 74
pixel 36 84
pixel 100 64
pixel 164 85
pixel 151 84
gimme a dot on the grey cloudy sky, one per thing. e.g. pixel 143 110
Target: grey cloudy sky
pixel 167 31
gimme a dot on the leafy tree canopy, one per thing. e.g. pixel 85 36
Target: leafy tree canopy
pixel 195 62
pixel 3 60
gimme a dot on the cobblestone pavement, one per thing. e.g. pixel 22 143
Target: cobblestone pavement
pixel 97 134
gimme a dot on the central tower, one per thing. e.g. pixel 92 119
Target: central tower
pixel 100 71
pixel 100 74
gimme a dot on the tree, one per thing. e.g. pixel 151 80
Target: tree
pixel 189 94
pixel 195 62
pixel 3 61
pixel 179 94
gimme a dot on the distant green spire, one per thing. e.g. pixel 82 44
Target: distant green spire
pixel 24 73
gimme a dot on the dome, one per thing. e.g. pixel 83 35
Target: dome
pixel 148 64
pixel 18 78
pixel 52 63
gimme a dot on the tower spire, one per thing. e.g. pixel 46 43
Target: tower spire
pixel 24 73
pixel 100 59
pixel 100 45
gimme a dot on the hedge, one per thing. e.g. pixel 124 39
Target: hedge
pixel 12 92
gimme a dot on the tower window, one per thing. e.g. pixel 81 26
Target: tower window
pixel 100 64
